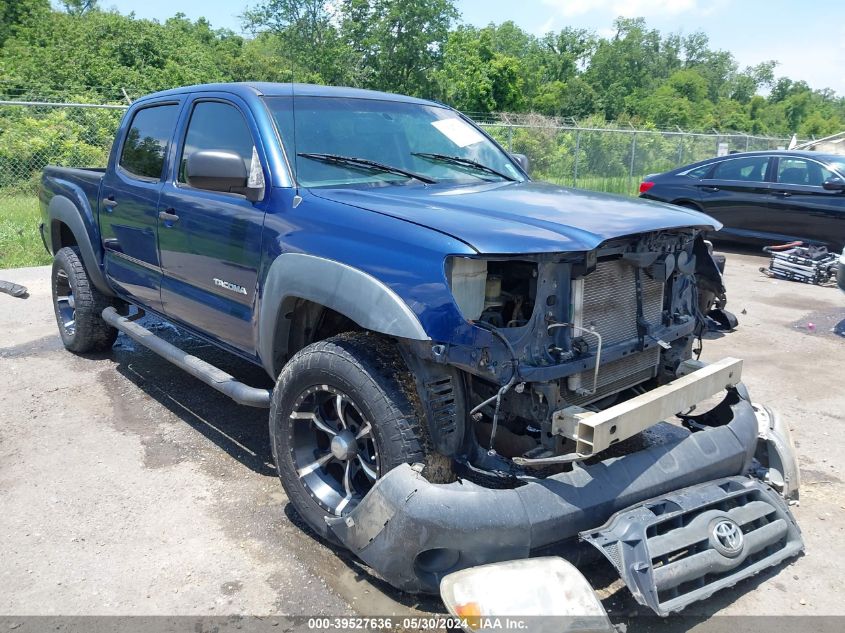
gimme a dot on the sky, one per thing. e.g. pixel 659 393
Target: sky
pixel 806 38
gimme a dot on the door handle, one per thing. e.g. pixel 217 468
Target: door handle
pixel 168 215
pixel 782 194
pixel 710 189
pixel 109 203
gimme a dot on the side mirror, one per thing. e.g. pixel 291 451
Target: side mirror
pixel 521 160
pixel 218 170
pixel 834 183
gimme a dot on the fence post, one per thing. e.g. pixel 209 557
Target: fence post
pixel 577 154
pixel 510 138
pixel 633 153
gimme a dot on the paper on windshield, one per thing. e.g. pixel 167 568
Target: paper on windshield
pixel 458 131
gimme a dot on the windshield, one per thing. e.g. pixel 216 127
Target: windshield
pixel 413 138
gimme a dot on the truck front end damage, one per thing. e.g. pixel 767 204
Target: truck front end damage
pixel 555 421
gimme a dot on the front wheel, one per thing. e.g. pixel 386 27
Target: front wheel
pixel 79 305
pixel 344 412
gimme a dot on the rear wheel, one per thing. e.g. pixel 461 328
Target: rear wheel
pixel 344 412
pixel 78 305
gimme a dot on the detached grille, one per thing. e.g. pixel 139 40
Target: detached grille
pixel 609 303
pixel 668 549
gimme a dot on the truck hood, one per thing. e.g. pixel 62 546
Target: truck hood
pixel 526 217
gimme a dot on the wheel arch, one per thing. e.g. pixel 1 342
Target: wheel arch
pixel 689 204
pixel 294 278
pixel 68 228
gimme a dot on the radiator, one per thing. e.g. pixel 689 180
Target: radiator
pixel 606 300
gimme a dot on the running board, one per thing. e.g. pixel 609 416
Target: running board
pixel 198 368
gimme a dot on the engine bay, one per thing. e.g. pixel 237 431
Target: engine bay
pixel 586 330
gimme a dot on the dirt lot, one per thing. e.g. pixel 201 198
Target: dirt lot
pixel 127 487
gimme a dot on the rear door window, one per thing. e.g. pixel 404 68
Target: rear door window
pixel 146 141
pixel 748 169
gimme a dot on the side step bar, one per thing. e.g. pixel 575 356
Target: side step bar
pixel 198 368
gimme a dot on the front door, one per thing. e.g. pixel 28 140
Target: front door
pixel 129 204
pixel 801 209
pixel 210 241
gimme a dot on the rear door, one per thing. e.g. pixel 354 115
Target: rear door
pixel 736 193
pixel 210 241
pixel 129 202
pixel 800 208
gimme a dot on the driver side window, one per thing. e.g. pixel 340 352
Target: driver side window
pixel 216 126
pixel 800 171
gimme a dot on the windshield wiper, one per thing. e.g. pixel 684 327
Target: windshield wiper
pixel 464 162
pixel 337 159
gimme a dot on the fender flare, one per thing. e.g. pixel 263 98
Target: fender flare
pixel 63 209
pixel 348 291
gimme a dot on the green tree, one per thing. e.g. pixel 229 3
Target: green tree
pixel 304 33
pixel 79 7
pixel 17 13
pixel 398 43
pixel 464 80
pixel 477 78
pixel 630 65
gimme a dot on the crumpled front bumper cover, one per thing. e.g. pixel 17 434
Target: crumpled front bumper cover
pixel 413 532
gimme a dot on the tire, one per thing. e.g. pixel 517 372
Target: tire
pixel 78 306
pixel 362 370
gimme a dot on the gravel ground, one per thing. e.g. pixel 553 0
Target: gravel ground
pixel 127 487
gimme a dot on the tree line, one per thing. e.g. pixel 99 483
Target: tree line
pixel 637 75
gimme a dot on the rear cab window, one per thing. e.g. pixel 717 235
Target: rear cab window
pixel 145 146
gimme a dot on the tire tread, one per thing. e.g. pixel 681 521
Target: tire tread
pixel 92 333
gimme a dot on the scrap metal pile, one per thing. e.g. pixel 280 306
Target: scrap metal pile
pixel 796 262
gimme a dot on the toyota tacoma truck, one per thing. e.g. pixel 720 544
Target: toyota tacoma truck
pixel 471 368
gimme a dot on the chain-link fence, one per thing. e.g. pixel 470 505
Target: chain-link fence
pixel 600 157
pixel 35 134
pixel 610 158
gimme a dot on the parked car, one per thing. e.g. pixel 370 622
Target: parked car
pixel 762 197
pixel 454 346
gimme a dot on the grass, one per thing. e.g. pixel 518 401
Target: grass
pixel 622 185
pixel 20 243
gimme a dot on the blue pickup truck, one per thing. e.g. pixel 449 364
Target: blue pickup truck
pixel 470 366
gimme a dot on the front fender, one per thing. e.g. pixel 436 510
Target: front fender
pixel 348 291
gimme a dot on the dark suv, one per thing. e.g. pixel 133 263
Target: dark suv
pixel 762 197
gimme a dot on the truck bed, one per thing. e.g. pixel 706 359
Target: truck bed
pixel 87 179
pixel 80 185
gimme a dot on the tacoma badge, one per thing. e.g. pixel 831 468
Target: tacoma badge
pixel 228 285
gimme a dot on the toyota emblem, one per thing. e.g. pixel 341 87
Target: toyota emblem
pixel 726 537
